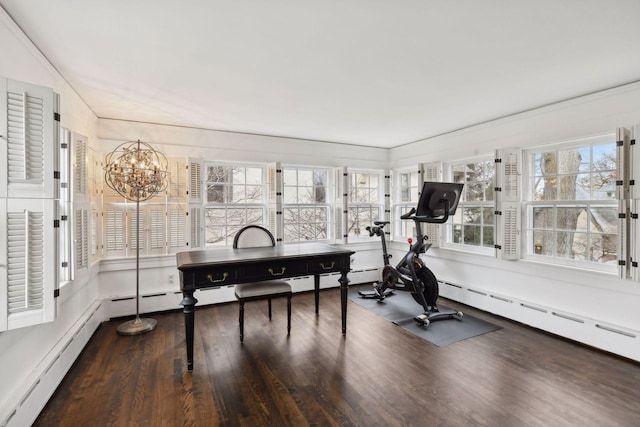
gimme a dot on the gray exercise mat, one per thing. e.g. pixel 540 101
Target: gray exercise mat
pixel 400 308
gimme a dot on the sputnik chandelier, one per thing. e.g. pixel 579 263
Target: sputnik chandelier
pixel 136 171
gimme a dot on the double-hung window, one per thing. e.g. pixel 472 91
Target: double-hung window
pixel 571 206
pixel 234 197
pixel 472 226
pixel 407 187
pixel 306 207
pixel 365 203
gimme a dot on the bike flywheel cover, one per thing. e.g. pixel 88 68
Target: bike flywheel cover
pixel 389 275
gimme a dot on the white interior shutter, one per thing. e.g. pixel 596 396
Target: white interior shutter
pixel 387 195
pixel 136 240
pixel 432 172
pixel 156 217
pixel 177 189
pixel 81 236
pixel 341 216
pixel 29 262
pixel 508 203
pixel 634 246
pixel 79 145
pixel 95 232
pixel 31 150
pixel 195 227
pixel 624 156
pixel 114 230
pixel 195 181
pixel 276 187
pixel 177 228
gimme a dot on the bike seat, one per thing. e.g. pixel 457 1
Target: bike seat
pixel 381 222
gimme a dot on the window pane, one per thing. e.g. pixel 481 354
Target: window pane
pixel 604 219
pixel 604 248
pixel 569 218
pixel 305 178
pixel 472 235
pixel 543 243
pixel 290 176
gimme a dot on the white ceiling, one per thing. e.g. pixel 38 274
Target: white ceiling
pixel 379 73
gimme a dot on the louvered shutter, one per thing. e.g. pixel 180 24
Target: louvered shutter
pixel 28 261
pixel 81 236
pixel 623 192
pixel 341 216
pixel 177 228
pixel 276 187
pixel 136 240
pixel 155 219
pixel 178 173
pixel 114 230
pixel 634 246
pixel 507 202
pixel 79 145
pixel 30 154
pixel 432 172
pixel 95 232
pixel 634 194
pixel 387 195
pixel 195 181
pixel 195 227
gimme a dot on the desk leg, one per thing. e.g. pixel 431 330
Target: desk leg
pixel 344 289
pixel 316 289
pixel 188 304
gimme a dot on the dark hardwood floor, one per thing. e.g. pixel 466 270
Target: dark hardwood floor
pixel 378 375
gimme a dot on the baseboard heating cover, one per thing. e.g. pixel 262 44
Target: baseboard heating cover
pixel 24 407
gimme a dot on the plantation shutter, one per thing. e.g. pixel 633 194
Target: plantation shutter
pixel 341 216
pixel 195 227
pixel 176 226
pixel 634 194
pixel 28 261
pixel 80 146
pixel 623 194
pixel 30 124
pixel 432 172
pixel 95 228
pixel 507 203
pixel 114 230
pixel 387 195
pixel 276 186
pixel 81 236
pixel 136 240
pixel 177 188
pixel 155 216
pixel 195 181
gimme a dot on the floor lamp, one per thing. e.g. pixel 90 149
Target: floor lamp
pixel 137 172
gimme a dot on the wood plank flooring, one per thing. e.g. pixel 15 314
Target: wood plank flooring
pixel 378 375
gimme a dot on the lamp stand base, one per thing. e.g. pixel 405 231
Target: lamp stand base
pixel 137 326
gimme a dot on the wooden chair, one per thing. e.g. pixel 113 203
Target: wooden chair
pixel 253 236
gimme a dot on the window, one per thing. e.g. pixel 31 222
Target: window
pixel 473 223
pixel 572 211
pixel 305 203
pixel 407 193
pixel 365 202
pixel 234 197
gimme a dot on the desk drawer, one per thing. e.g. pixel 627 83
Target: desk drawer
pixel 215 276
pixel 328 265
pixel 270 270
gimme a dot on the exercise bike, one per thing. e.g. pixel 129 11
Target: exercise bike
pixel 437 202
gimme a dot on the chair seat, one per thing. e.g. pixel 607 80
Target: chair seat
pixel 262 289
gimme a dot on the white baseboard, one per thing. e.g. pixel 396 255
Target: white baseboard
pixel 119 306
pixel 23 409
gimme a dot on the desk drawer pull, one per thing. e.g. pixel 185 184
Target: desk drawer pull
pixel 212 280
pixel 277 274
pixel 333 263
